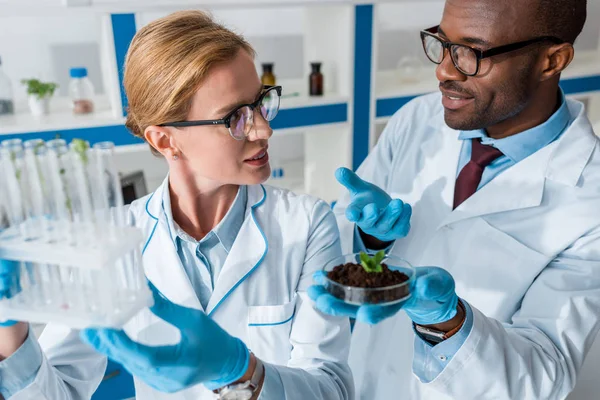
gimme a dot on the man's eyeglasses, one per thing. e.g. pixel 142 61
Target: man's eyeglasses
pixel 467 59
pixel 240 121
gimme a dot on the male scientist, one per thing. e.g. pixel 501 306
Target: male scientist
pixel 492 188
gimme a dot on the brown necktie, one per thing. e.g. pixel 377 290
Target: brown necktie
pixel 470 176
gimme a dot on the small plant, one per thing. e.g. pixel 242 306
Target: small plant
pixel 38 88
pixel 80 147
pixel 372 264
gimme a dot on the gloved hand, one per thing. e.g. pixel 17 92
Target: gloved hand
pixel 206 353
pixel 9 283
pixel 373 210
pixel 433 300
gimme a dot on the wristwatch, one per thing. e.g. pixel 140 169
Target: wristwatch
pixel 435 336
pixel 245 390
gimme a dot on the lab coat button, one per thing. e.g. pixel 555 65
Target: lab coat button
pixel 442 357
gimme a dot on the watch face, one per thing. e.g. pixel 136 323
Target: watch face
pixel 240 394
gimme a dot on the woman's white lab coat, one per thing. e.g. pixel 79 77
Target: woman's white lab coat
pixel 524 251
pixel 259 297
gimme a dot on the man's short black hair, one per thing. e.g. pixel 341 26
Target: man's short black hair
pixel 561 18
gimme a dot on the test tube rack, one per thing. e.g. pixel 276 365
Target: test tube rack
pixel 72 257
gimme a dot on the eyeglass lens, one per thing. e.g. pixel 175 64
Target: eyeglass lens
pixel 242 120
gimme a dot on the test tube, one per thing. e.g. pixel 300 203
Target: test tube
pixel 109 196
pixel 11 143
pixel 110 199
pixel 35 154
pixel 80 191
pixel 12 158
pixel 4 214
pixel 60 200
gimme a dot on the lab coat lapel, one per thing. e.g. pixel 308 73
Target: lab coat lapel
pixel 445 164
pixel 520 186
pixel 247 253
pixel 161 262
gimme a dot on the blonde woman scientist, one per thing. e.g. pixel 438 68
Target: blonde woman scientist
pixel 228 258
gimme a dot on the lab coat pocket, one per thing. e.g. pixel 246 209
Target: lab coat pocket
pixel 269 330
pixel 494 268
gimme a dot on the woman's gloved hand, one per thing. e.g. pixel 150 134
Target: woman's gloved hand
pixel 9 284
pixel 433 300
pixel 206 353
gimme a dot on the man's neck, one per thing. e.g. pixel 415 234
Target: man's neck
pixel 538 111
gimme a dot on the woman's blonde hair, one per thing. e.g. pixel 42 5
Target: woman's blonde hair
pixel 166 63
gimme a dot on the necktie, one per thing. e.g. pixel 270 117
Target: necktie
pixel 470 176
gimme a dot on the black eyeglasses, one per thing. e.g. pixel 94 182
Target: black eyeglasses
pixel 467 59
pixel 240 121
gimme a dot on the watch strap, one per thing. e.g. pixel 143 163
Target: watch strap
pixel 434 336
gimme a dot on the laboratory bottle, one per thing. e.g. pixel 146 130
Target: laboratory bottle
pixel 316 80
pixel 81 91
pixel 268 78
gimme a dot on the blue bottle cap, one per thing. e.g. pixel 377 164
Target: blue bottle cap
pixel 78 72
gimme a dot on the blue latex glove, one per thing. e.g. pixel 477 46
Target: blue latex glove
pixel 433 300
pixel 373 210
pixel 206 353
pixel 9 283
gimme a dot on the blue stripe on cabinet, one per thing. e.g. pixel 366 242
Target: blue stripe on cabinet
pixel 117 134
pixel 363 53
pixel 310 116
pixel 124 29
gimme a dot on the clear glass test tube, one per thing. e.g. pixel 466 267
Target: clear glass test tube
pixel 35 156
pixel 80 191
pixel 12 159
pixel 109 196
pixel 60 199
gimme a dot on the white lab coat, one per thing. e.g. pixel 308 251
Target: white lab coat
pixel 259 297
pixel 524 251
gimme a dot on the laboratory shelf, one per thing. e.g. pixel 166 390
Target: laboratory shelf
pixel 25 123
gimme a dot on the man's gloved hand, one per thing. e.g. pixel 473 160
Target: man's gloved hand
pixel 433 300
pixel 9 284
pixel 206 353
pixel 373 210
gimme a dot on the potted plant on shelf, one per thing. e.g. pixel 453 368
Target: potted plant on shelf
pixel 39 95
pixel 360 278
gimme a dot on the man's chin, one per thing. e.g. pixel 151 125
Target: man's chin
pixel 460 121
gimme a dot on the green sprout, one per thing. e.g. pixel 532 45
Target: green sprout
pixel 372 264
pixel 80 147
pixel 38 88
pixel 38 146
pixel 13 159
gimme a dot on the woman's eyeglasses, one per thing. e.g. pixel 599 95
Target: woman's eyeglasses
pixel 240 121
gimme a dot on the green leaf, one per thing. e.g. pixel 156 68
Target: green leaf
pixel 372 264
pixel 80 147
pixel 38 88
pixel 379 256
pixel 364 257
pixel 38 147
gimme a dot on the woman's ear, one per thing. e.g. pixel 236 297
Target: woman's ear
pixel 161 139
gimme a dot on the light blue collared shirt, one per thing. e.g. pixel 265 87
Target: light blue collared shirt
pixel 204 259
pixel 20 369
pixel 429 361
